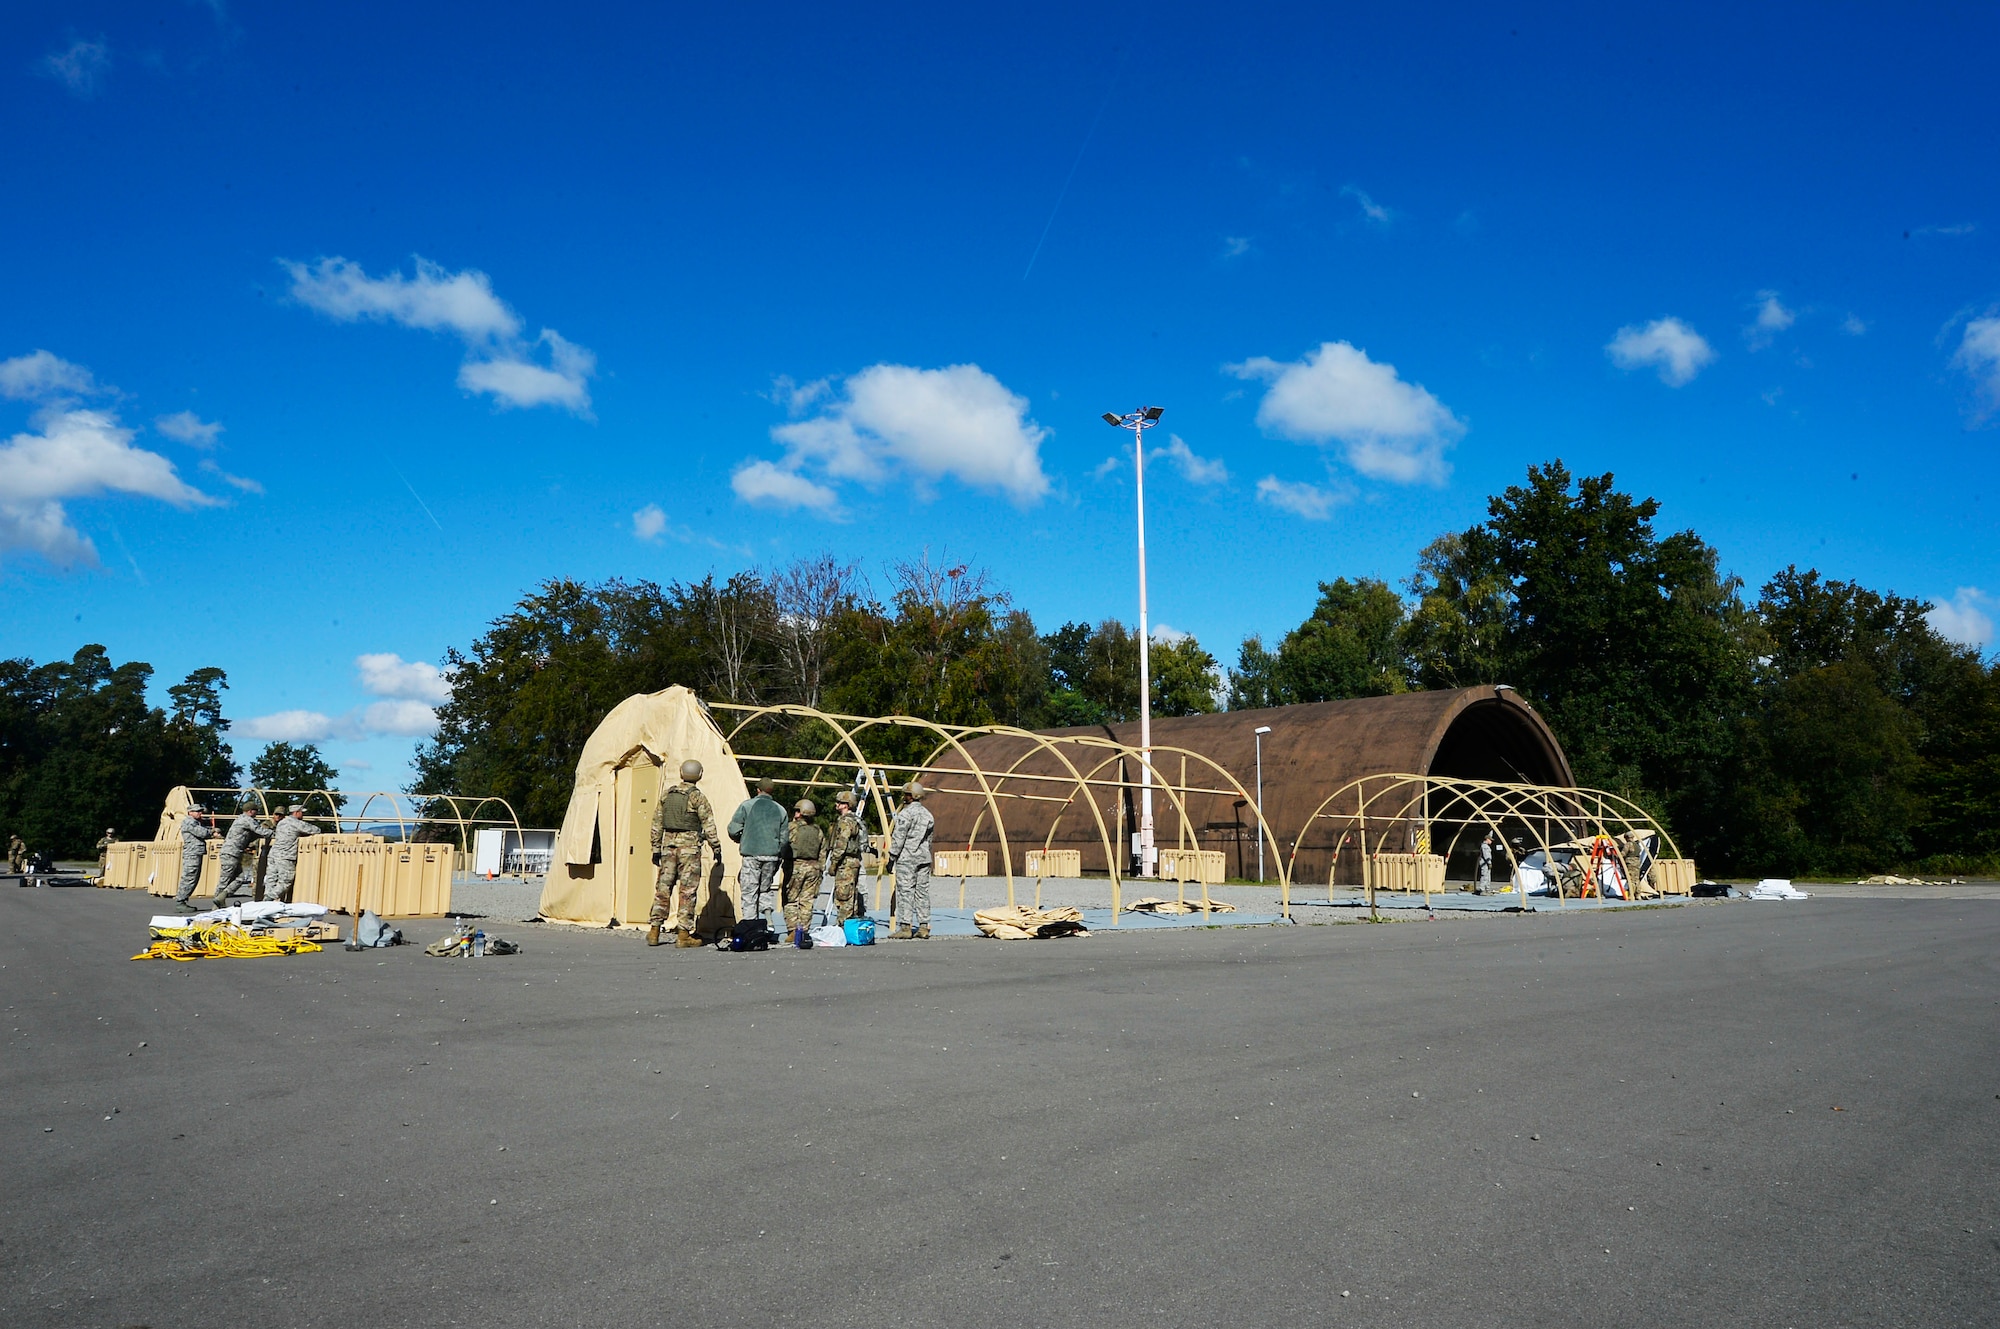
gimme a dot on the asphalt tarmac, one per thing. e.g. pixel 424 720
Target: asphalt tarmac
pixel 1715 1114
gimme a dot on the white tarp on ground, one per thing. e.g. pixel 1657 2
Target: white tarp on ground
pixel 1776 888
pixel 256 911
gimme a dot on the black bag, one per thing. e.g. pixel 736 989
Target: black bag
pixel 752 934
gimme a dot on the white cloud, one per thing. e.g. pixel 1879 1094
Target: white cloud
pixel 399 719
pixel 767 485
pixel 1966 618
pixel 289 727
pixel 1853 325
pixel 1772 319
pixel 1193 469
pixel 1312 502
pixel 1979 356
pixel 1235 246
pixel 1370 209
pixel 78 453
pixel 887 421
pixel 499 362
pixel 649 522
pixel 1168 635
pixel 1106 467
pixel 389 675
pixel 241 482
pixel 409 688
pixel 41 376
pixel 1392 430
pixel 189 428
pixel 1677 350
pixel 518 381
pixel 81 68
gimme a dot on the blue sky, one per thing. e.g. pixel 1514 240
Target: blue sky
pixel 359 320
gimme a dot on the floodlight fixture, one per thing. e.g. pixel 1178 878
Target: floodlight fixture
pixel 1139 422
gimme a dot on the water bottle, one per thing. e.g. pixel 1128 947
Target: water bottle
pixel 479 942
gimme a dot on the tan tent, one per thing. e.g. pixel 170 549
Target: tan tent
pixel 179 803
pixel 603 866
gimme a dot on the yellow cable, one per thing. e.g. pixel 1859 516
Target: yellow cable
pixel 219 941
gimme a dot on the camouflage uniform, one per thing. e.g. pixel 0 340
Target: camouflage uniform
pixel 850 839
pixel 910 851
pixel 682 821
pixel 17 854
pixel 104 855
pixel 194 844
pixel 802 887
pixel 242 832
pixel 282 868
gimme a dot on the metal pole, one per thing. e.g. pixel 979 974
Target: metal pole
pixel 1260 806
pixel 1146 856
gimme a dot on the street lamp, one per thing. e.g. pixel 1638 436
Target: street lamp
pixel 1262 730
pixel 1139 422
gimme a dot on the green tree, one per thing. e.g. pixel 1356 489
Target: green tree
pixel 1632 646
pixel 80 748
pixel 1350 646
pixel 1250 682
pixel 1456 636
pixel 1184 679
pixel 293 766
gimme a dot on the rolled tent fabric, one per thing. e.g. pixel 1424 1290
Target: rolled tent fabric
pixel 1011 923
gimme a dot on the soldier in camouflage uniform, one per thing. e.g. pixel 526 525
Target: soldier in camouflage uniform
pixel 17 855
pixel 242 832
pixel 808 845
pixel 283 866
pixel 194 844
pixel 910 856
pixel 682 822
pixel 104 853
pixel 850 839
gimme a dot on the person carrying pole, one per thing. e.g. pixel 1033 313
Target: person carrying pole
pixel 850 840
pixel 283 867
pixel 244 830
pixel 910 858
pixel 683 821
pixel 194 844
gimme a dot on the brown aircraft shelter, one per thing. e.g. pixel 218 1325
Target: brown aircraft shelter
pixel 1312 752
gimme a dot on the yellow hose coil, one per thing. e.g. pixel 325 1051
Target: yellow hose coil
pixel 219 941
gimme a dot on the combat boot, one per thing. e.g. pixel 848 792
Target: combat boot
pixel 902 933
pixel 653 935
pixel 923 932
pixel 686 940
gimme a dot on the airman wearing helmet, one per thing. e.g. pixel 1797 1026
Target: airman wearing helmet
pixel 682 822
pixel 807 845
pixel 850 840
pixel 910 856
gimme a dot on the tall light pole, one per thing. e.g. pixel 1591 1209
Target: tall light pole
pixel 1139 422
pixel 1262 730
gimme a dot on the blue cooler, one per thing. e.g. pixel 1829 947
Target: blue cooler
pixel 860 931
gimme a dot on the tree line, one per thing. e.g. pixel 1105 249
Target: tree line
pixel 81 750
pixel 1820 728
